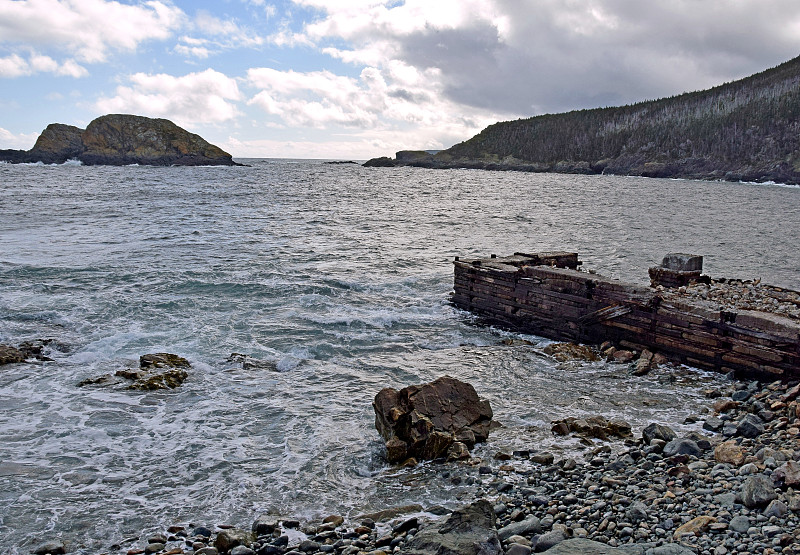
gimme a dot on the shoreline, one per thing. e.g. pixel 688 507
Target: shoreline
pixel 737 484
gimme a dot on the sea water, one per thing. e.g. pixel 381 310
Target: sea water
pixel 335 278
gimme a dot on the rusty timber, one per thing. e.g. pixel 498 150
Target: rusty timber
pixel 545 294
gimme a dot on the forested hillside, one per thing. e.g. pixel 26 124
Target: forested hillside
pixel 743 130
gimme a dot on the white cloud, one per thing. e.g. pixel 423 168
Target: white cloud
pixel 22 141
pixel 86 29
pixel 205 97
pixel 16 66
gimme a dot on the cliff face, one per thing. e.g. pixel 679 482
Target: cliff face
pixel 744 130
pixel 121 139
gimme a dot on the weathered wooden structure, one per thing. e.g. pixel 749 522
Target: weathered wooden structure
pixel 545 294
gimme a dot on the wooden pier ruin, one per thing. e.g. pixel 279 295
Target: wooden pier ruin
pixel 545 294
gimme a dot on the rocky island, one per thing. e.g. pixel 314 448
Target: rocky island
pixel 119 140
pixel 745 130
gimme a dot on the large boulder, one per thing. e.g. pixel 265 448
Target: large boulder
pixel 424 421
pixel 470 530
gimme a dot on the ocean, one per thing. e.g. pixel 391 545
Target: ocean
pixel 335 278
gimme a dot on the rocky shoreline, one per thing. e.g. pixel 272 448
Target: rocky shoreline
pixel 734 488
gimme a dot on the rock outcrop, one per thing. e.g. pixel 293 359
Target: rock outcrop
pixel 431 420
pixel 156 371
pixel 122 139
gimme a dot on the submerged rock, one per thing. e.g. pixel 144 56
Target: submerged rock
pixel 564 352
pixel 10 355
pixel 423 421
pixel 595 427
pixel 156 371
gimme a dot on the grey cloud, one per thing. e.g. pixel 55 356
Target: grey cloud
pixel 558 57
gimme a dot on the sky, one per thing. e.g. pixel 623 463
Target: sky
pixel 355 79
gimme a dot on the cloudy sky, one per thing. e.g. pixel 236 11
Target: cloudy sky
pixel 355 79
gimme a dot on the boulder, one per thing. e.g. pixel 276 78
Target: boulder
pixel 788 473
pixel 423 421
pixel 159 371
pixel 380 162
pixel 729 453
pixel 757 491
pixel 468 530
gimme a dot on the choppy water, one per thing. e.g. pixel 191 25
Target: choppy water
pixel 339 277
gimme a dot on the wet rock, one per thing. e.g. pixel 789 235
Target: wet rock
pixel 564 352
pixel 468 530
pixel 518 549
pixel 10 355
pixel 264 526
pixel 624 357
pixel 647 361
pixel 595 427
pixel 549 540
pixel 757 491
pixel 423 421
pixel 657 431
pixel 228 539
pixel 154 548
pixel 51 547
pixel 390 513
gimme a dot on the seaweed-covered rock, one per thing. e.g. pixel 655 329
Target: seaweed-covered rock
pixel 423 421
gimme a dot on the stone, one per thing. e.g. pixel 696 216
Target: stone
pixel 623 356
pixel 669 549
pixel 518 549
pixel 696 526
pixel 154 548
pixel 636 512
pixel 531 525
pixel 468 530
pixel 564 352
pixel 740 524
pixel 776 508
pixel 228 539
pixel 242 550
pixel 51 547
pixel 645 363
pixel 657 431
pixel 457 451
pixel 788 473
pixel 10 355
pixel 380 162
pixel 682 262
pixel 202 531
pixel 682 446
pixel 757 491
pixel 158 371
pixel 750 426
pixel 549 540
pixel 428 418
pixel 729 452
pixel 207 551
pixel 713 424
pixel 264 526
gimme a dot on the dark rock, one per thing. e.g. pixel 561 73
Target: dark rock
pixel 52 547
pixel 468 530
pixel 657 431
pixel 750 426
pixel 380 162
pixel 595 427
pixel 264 525
pixel 788 473
pixel 423 421
pixel 242 550
pixel 202 531
pixel 713 424
pixel 549 540
pixel 757 491
pixel 740 524
pixel 154 548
